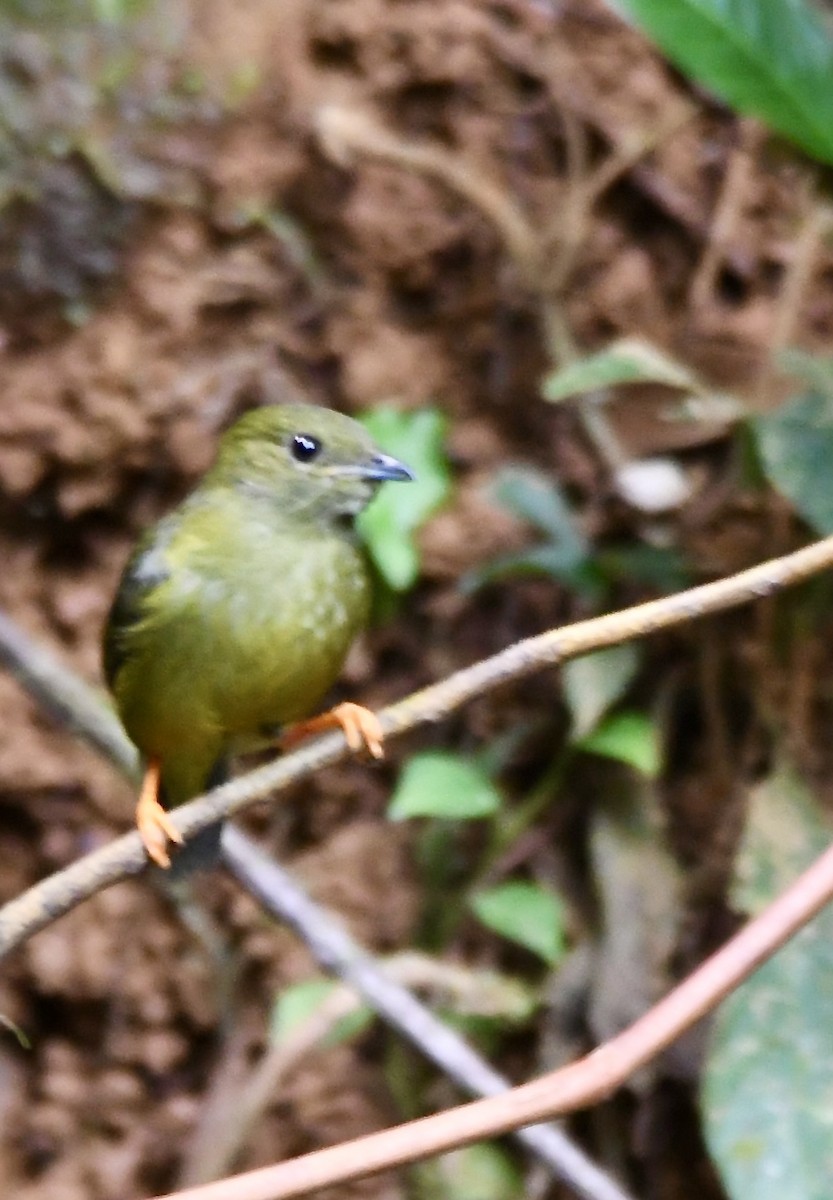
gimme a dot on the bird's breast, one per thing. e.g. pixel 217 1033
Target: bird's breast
pixel 231 644
pixel 286 625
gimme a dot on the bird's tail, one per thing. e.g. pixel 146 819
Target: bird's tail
pixel 202 851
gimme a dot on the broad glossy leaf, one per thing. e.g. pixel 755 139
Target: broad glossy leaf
pixel 770 58
pixel 767 1095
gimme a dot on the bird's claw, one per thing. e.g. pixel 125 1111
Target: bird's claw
pixel 361 727
pixel 155 826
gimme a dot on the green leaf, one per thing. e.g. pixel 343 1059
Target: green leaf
pixel 770 58
pixel 796 449
pixel 556 562
pixel 768 1089
pixel 295 1005
pixel 445 785
pixel 595 682
pixel 630 737
pixel 535 497
pixel 526 913
pixel 567 557
pixel 300 1002
pixel 629 360
pixel 390 521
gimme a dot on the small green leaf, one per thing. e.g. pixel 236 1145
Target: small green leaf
pixel 629 360
pixel 300 1002
pixel 295 1005
pixel 796 449
pixel 768 1090
pixel 556 562
pixel 526 913
pixel 630 737
pixel 567 557
pixel 535 497
pixel 444 785
pixel 770 58
pixel 350 1026
pixel 388 524
pixel 595 682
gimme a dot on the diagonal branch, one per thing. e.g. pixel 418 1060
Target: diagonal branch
pixel 338 954
pixel 42 904
pixel 83 708
pixel 576 1086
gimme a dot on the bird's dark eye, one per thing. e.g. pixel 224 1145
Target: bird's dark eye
pixel 304 447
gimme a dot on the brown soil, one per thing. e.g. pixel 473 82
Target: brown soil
pixel 388 279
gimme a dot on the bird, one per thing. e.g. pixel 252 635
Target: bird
pixel 235 612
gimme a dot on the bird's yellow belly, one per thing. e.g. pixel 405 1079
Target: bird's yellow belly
pixel 285 676
pixel 228 663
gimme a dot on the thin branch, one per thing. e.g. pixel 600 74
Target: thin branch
pixel 62 891
pixel 226 1126
pixel 585 1082
pixel 337 953
pixel 74 702
pixel 68 698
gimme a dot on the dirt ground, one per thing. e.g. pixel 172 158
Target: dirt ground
pixel 371 201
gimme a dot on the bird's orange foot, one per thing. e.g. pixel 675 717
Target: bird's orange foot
pixel 361 727
pixel 155 826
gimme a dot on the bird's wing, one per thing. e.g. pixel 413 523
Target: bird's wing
pixel 146 569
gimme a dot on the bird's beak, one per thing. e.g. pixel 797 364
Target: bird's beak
pixel 385 467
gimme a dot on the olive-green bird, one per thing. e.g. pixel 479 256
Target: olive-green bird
pixel 235 613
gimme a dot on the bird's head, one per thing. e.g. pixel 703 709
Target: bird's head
pixel 313 462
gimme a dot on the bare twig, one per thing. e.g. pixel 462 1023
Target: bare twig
pixel 48 900
pixel 337 953
pixel 582 1083
pixel 577 1085
pixel 387 982
pixel 68 698
pixel 73 701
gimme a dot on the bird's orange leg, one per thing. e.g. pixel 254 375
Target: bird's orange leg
pixel 155 826
pixel 361 727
